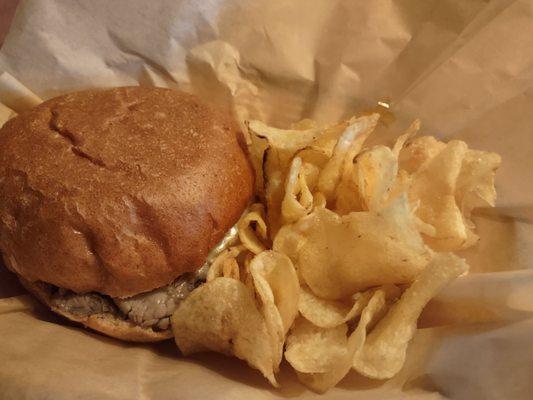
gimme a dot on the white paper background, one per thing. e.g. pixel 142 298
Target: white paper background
pixel 464 67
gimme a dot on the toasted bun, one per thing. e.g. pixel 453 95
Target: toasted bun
pixel 107 324
pixel 118 191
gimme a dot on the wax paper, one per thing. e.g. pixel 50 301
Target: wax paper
pixel 465 68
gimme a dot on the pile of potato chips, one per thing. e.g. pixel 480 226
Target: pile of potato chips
pixel 345 247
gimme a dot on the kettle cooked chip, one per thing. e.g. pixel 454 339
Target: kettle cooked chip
pixel 277 282
pixel 433 187
pixel 312 349
pixel 343 255
pixel 330 313
pixel 221 316
pixel 341 364
pixel 383 354
pixel 252 229
pixel 347 147
pixel 298 200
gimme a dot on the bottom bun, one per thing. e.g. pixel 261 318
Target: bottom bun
pixel 108 324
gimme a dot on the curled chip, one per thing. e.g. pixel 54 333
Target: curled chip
pixel 340 362
pixel 252 229
pixel 230 269
pixel 447 181
pixel 330 313
pixel 402 140
pixel 276 282
pixel 221 316
pixel 298 200
pixel 272 151
pixel 383 354
pixel 417 152
pixel 338 256
pixel 289 239
pixel 433 188
pixel 376 172
pixel 216 269
pixel 475 186
pixel 346 148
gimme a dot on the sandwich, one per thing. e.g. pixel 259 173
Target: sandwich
pixel 113 203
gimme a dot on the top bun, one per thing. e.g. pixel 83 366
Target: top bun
pixel 118 191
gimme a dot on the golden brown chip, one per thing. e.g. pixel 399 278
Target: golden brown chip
pixel 273 150
pixel 409 133
pixel 418 151
pixel 433 189
pixel 347 147
pixel 280 284
pixel 298 200
pixel 383 354
pixel 312 349
pixel 340 362
pixel 376 172
pixel 338 256
pixel 221 316
pixel 330 313
pixel 252 229
pixel 216 270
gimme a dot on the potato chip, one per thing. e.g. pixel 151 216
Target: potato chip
pixel 257 154
pixel 383 354
pixel 329 137
pixel 409 133
pixel 319 200
pixel 316 157
pixel 312 349
pixel 401 185
pixel 216 269
pixel 298 200
pixel 418 151
pixel 330 313
pixel 348 193
pixel 310 173
pixel 276 284
pixel 376 171
pixel 277 271
pixel 475 186
pixel 273 150
pixel 433 186
pixel 221 316
pixel 230 269
pixel 289 240
pixel 274 192
pixel 342 361
pixel 346 148
pixel 252 229
pixel 343 255
pixel 286 142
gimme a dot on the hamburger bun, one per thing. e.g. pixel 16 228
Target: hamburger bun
pixel 118 191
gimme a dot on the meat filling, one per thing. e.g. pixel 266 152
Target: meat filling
pixel 151 309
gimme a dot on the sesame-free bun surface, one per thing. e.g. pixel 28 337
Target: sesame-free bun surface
pixel 118 191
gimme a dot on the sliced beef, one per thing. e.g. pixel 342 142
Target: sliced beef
pixel 154 308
